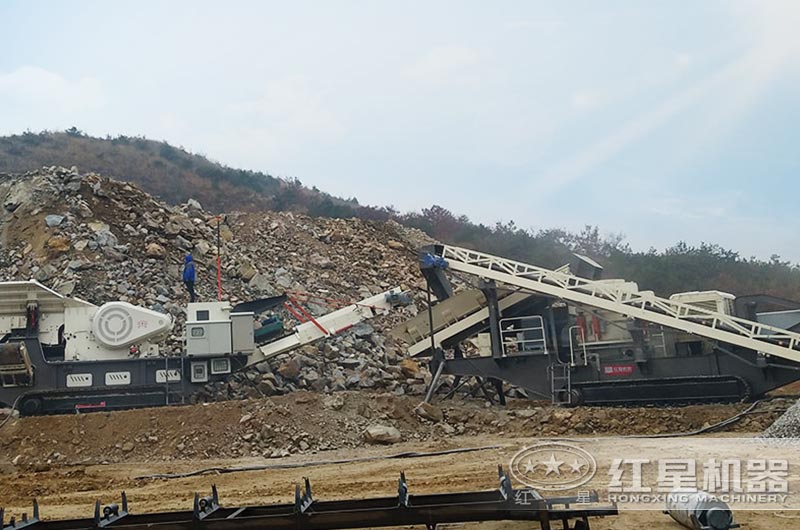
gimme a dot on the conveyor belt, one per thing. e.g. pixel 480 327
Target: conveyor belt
pixel 624 298
pixel 330 324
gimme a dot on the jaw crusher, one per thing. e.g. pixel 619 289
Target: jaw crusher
pixel 571 337
pixel 60 354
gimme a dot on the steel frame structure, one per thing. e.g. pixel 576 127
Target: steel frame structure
pixel 622 299
pixel 305 513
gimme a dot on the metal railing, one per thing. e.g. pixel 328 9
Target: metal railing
pixel 572 346
pixel 518 339
pixel 625 298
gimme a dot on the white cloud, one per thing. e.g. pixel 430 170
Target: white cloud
pixel 277 126
pixel 292 105
pixel 566 172
pixel 683 60
pixel 728 93
pixel 585 100
pixel 774 26
pixel 774 50
pixel 690 209
pixel 542 23
pixel 443 63
pixel 36 90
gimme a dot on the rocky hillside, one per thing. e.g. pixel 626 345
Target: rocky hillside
pixel 99 239
pixel 170 173
pixel 176 175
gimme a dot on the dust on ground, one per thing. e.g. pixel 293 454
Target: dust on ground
pixel 70 490
pixel 68 462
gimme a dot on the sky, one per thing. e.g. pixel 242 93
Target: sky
pixel 666 121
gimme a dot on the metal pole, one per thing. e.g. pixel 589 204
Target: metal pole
pixel 430 317
pixel 434 381
pixel 490 293
pixel 439 369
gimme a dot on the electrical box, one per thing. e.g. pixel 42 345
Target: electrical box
pixel 208 311
pixel 221 366
pixel 208 338
pixel 199 372
pixel 243 333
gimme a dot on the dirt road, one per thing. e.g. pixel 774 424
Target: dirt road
pixel 70 490
pixel 69 462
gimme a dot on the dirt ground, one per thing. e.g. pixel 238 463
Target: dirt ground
pixel 305 423
pixel 69 462
pixel 69 490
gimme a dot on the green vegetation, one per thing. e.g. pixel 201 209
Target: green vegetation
pixel 175 175
pixel 676 269
pixel 165 171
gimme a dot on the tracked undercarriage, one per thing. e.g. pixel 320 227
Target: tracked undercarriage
pixel 60 354
pixel 567 336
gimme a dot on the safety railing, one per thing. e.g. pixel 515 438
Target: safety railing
pixel 625 298
pixel 520 337
pixel 572 336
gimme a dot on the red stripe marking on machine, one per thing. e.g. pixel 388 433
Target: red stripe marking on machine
pixel 343 329
pixel 80 406
pixel 618 369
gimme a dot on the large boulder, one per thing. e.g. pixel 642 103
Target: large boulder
pixel 382 434
pixel 429 412
pixel 58 244
pixel 247 271
pixel 289 369
pixel 154 250
pixel 105 238
pixel 410 368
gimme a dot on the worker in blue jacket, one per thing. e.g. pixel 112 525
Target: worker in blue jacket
pixel 188 276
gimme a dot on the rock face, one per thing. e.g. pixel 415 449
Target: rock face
pixel 103 240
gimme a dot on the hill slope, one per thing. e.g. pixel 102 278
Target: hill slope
pixel 175 175
pixel 167 172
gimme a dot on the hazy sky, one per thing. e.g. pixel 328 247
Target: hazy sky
pixel 665 120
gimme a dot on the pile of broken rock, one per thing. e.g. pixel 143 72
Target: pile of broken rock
pixel 99 239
